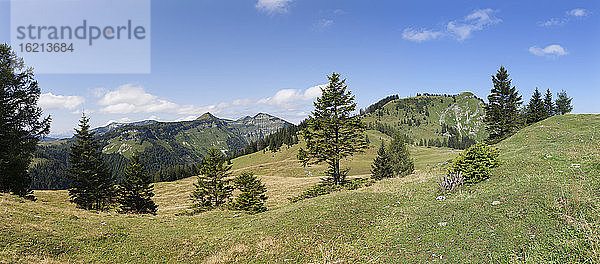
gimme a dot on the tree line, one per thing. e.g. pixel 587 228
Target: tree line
pixel 376 106
pixel 273 142
pixel 504 115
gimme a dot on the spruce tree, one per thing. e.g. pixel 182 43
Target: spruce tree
pixel 549 108
pixel 502 111
pixel 20 124
pixel 563 103
pixel 382 166
pixel 136 191
pixel 213 189
pixel 402 163
pixel 535 109
pixel 92 182
pixel 252 193
pixel 332 132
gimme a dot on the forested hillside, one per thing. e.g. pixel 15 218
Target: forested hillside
pixel 165 146
pixel 454 121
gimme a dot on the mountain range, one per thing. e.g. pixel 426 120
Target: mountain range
pixel 454 121
pixel 162 144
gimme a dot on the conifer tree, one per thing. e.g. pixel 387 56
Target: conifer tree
pixel 252 193
pixel 382 166
pixel 20 124
pixel 549 107
pixel 402 163
pixel 502 111
pixel 332 132
pixel 136 191
pixel 92 183
pixel 213 189
pixel 563 103
pixel 535 109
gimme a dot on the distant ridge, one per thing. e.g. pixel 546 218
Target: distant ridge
pixel 162 144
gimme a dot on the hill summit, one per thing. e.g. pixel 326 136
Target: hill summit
pixel 431 118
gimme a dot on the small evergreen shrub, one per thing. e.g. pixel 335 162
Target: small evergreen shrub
pixel 382 166
pixel 252 194
pixel 327 187
pixel 321 188
pixel 136 192
pixel 213 188
pixel 402 163
pixel 358 183
pixel 476 163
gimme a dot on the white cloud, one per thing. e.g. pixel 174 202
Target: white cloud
pixel 120 120
pixel 186 118
pixel 288 98
pixel 339 12
pixel 548 51
pixel 324 24
pixel 153 117
pixel 290 104
pixel 554 22
pixel 273 6
pixel 241 102
pixel 578 12
pixel 420 36
pixel 314 92
pixel 86 111
pixel 99 92
pixel 134 99
pixel 50 101
pixel 476 21
pixel 459 29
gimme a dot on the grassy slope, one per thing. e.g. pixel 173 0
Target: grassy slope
pixel 465 114
pixel 549 212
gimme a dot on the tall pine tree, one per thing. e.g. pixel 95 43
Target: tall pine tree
pixel 402 163
pixel 502 111
pixel 20 124
pixel 213 189
pixel 136 191
pixel 92 182
pixel 382 166
pixel 549 107
pixel 332 132
pixel 535 109
pixel 563 103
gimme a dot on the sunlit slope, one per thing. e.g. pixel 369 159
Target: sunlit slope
pixel 285 162
pixel 422 117
pixel 548 212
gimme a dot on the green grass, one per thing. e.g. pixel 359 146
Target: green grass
pixel 548 188
pixel 465 113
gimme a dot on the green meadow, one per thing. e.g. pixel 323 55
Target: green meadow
pixel 542 205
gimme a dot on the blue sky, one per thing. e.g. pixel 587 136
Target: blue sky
pixel 237 58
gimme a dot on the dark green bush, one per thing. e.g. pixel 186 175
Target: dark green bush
pixel 327 187
pixel 476 163
pixel 357 183
pixel 252 194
